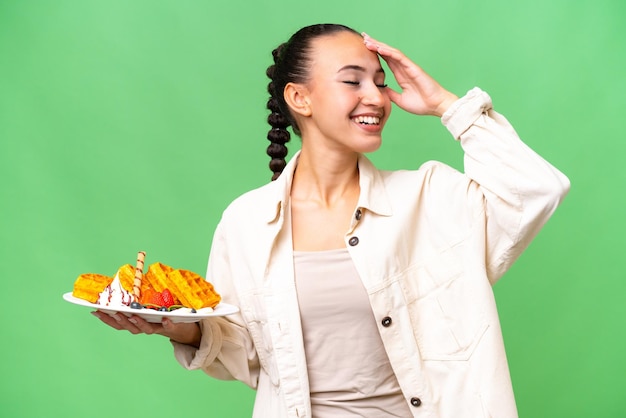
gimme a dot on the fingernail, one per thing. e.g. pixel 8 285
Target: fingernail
pixel 132 320
pixel 117 318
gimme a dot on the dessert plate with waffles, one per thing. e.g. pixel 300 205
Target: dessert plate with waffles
pixel 180 295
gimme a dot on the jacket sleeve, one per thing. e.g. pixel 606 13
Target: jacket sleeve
pixel 520 189
pixel 226 350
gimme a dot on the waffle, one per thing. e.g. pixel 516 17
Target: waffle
pixel 89 285
pixel 156 278
pixel 126 274
pixel 192 290
pixel 188 288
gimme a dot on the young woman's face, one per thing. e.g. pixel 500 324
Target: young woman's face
pixel 347 97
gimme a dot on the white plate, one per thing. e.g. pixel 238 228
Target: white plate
pixel 151 315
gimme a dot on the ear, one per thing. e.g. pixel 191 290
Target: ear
pixel 296 96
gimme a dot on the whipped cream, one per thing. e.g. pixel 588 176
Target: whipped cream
pixel 115 295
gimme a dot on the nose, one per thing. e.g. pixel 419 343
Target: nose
pixel 374 95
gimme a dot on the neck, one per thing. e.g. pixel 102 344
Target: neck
pixel 326 179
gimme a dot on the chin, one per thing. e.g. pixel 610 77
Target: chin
pixel 370 147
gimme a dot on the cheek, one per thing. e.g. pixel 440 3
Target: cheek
pixel 387 108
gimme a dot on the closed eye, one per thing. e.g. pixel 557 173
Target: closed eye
pixel 356 83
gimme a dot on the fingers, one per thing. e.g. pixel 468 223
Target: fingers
pixel 404 70
pixel 110 320
pixel 375 45
pixel 371 43
pixel 385 51
pixel 420 94
pixel 185 333
pixel 132 324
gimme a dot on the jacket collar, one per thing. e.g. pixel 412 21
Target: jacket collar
pixel 373 195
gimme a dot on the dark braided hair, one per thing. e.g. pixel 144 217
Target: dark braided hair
pixel 291 65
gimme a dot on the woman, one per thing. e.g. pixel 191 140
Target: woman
pixel 366 292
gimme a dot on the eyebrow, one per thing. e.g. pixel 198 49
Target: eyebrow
pixel 358 68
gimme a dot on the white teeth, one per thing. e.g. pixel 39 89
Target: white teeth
pixel 368 120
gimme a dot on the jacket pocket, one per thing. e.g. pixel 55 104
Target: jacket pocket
pixel 444 303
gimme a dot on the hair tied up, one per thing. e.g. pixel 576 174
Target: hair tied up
pixel 292 64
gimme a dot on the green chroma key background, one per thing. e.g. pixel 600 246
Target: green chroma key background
pixel 128 125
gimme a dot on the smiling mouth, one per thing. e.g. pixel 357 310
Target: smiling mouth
pixel 367 120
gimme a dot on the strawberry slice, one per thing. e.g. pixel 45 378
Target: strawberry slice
pixel 156 299
pixel 168 298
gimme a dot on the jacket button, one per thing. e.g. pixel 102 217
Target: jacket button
pixel 358 214
pixel 416 402
pixel 386 321
pixel 353 241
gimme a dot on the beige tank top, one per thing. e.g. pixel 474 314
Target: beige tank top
pixel 349 371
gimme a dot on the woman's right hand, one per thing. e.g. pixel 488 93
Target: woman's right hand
pixel 184 333
pixel 421 94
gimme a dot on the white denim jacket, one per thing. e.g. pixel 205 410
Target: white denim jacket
pixel 428 244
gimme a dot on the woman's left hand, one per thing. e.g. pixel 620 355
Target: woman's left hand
pixel 184 333
pixel 420 94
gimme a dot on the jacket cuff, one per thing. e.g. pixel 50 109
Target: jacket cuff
pixel 464 112
pixel 193 358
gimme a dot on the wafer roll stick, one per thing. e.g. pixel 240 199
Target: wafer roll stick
pixel 141 255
